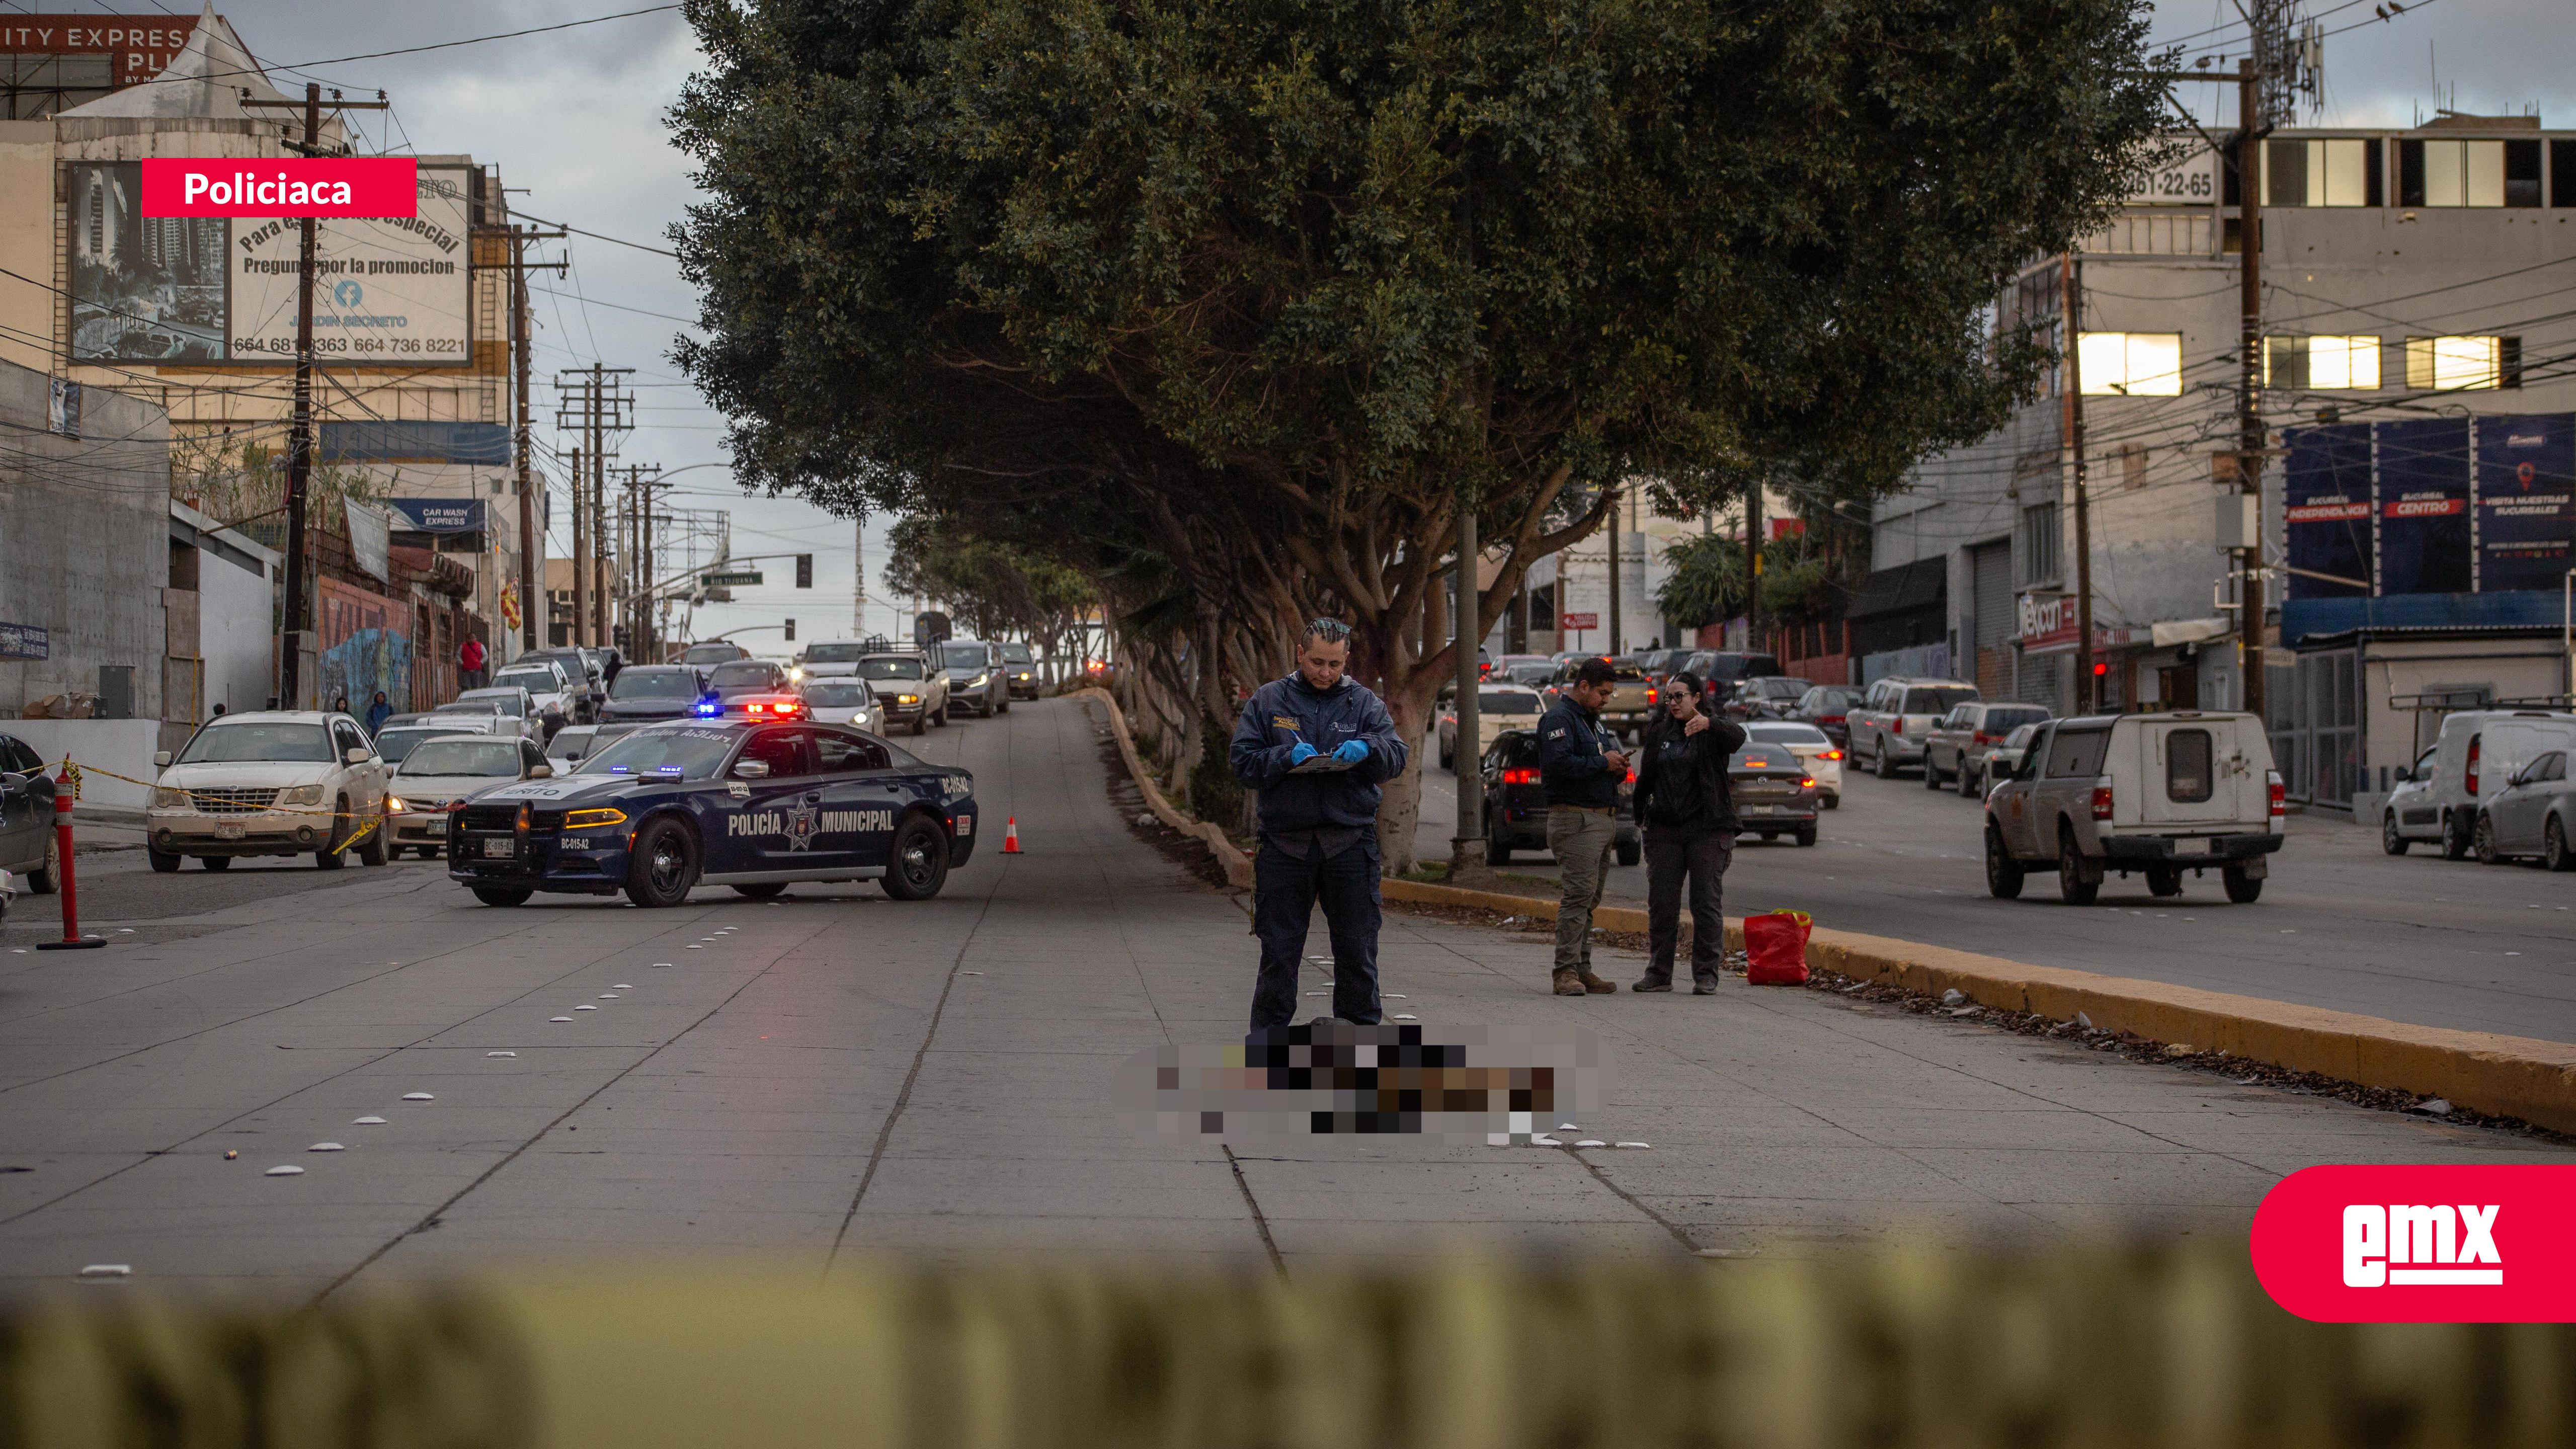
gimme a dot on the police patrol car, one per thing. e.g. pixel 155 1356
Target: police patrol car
pixel 745 803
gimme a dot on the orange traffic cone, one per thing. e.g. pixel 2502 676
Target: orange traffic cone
pixel 1011 837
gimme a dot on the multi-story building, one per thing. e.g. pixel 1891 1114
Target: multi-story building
pixel 2413 370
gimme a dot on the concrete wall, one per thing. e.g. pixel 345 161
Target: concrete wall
pixel 125 746
pixel 84 541
pixel 26 236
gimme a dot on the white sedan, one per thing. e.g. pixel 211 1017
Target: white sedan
pixel 1814 749
pixel 842 700
pixel 438 773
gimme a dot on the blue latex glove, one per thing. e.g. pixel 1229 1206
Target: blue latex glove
pixel 1351 751
pixel 1302 753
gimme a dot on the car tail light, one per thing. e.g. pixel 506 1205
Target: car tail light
pixel 1829 719
pixel 2101 802
pixel 1983 738
pixel 1520 777
pixel 1900 725
pixel 1632 777
pixel 1830 755
pixel 2472 778
pixel 2280 793
pixel 1808 783
pixel 1651 693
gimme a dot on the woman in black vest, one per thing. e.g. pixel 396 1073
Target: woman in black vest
pixel 1688 815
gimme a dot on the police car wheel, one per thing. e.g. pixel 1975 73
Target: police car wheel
pixel 918 865
pixel 768 890
pixel 665 864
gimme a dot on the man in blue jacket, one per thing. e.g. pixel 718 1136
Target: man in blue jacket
pixel 1318 827
pixel 1580 768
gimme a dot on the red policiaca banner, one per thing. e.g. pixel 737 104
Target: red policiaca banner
pixel 352 187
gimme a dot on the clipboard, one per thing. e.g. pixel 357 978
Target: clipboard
pixel 1323 765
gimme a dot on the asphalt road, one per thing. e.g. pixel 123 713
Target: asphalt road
pixel 805 1083
pixel 2413 938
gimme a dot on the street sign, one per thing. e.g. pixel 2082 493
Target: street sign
pixel 1579 621
pixel 735 579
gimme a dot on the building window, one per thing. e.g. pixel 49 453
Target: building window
pixel 2463 364
pixel 2562 173
pixel 2133 465
pixel 2319 173
pixel 2130 364
pixel 2453 173
pixel 2039 553
pixel 2301 363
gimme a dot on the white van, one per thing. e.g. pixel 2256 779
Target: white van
pixel 2163 795
pixel 2478 751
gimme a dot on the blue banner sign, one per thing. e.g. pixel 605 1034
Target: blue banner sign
pixel 2526 477
pixel 437 515
pixel 2327 510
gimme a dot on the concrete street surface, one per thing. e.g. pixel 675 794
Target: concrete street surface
pixel 2411 938
pixel 837 1074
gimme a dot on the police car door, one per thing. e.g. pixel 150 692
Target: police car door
pixel 861 797
pixel 770 825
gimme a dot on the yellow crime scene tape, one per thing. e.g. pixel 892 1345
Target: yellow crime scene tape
pixel 2130 1347
pixel 75 770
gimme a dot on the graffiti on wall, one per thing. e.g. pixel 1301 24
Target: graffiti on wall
pixel 366 645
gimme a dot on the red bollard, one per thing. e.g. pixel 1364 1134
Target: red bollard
pixel 72 939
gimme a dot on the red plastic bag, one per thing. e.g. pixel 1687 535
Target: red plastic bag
pixel 1775 948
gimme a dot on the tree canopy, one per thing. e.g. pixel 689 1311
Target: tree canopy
pixel 1257 291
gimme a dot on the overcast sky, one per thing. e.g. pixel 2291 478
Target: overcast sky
pixel 576 118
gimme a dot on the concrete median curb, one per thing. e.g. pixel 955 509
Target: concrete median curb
pixel 1238 866
pixel 2503 1076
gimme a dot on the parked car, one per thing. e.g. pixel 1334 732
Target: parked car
pixel 1774 793
pixel 511 702
pixel 585 680
pixel 2477 751
pixel 2157 794
pixel 269 782
pixel 395 741
pixel 571 745
pixel 2532 816
pixel 974 677
pixel 1958 743
pixel 1632 696
pixel 829 659
pixel 743 676
pixel 1516 804
pixel 1499 707
pixel 2003 759
pixel 1814 749
pixel 1722 667
pixel 908 689
pixel 446 771
pixel 552 695
pixel 28 842
pixel 842 701
pixel 2410 812
pixel 1767 696
pixel 1020 670
pixel 1894 718
pixel 713 653
pixel 1828 707
pixel 653 691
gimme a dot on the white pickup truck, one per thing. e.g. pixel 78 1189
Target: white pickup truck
pixel 2158 794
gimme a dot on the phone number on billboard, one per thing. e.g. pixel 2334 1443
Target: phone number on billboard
pixel 248 347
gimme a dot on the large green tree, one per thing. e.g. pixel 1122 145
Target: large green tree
pixel 1278 283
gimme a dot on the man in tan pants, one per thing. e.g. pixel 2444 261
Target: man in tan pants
pixel 1581 767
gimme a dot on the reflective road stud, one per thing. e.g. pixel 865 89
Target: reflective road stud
pixel 72 939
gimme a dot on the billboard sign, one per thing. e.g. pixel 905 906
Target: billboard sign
pixel 2424 507
pixel 2526 475
pixel 129 49
pixel 25 641
pixel 391 292
pixel 436 515
pixel 2188 177
pixel 2327 511
pixel 324 186
pixel 144 289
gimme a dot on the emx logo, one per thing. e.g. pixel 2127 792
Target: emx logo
pixel 2420 1244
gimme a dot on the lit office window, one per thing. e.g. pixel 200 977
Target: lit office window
pixel 2303 363
pixel 2130 364
pixel 2319 173
pixel 2463 363
pixel 2451 173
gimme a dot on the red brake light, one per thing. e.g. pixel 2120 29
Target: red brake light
pixel 1651 692
pixel 1983 738
pixel 1830 755
pixel 1900 725
pixel 1829 719
pixel 2101 802
pixel 1632 777
pixel 2280 793
pixel 1808 783
pixel 2472 777
pixel 1520 777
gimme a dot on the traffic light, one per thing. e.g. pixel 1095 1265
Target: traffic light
pixel 2101 667
pixel 804 575
pixel 791 630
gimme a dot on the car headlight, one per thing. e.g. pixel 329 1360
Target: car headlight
pixel 169 799
pixel 394 805
pixel 907 699
pixel 300 795
pixel 594 819
pixel 980 681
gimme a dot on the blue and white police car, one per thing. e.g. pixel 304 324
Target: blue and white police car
pixel 752 804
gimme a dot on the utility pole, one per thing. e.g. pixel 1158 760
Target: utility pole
pixel 1615 501
pixel 2250 622
pixel 299 458
pixel 587 401
pixel 2088 696
pixel 600 535
pixel 1753 564
pixel 532 544
pixel 580 597
pixel 859 579
pixel 1467 847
